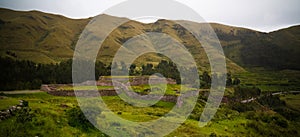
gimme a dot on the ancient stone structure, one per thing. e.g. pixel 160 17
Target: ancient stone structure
pixel 54 89
pixel 5 114
pixel 83 93
pixel 108 92
pixel 134 81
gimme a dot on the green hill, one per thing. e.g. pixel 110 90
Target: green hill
pixel 275 50
pixel 48 38
pixel 37 36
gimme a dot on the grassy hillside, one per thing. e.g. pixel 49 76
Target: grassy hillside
pixel 37 36
pixel 248 48
pixel 47 38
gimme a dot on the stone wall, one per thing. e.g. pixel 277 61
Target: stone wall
pixel 85 93
pixel 5 114
pixel 53 87
pixel 134 81
pixel 169 98
pixel 52 90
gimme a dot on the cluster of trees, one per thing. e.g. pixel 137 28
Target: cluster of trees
pixel 29 75
pixel 170 70
pixel 279 124
pixel 166 68
pixel 17 74
pixel 206 79
pixel 275 103
pixel 246 92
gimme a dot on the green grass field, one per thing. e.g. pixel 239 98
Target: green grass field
pixel 170 89
pixel 271 81
pixel 50 113
pixel 292 101
pixel 83 87
pixel 8 102
pixel 50 117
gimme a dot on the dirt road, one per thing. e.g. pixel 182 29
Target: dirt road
pixel 21 92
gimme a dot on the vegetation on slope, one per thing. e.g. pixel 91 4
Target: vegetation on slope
pixel 47 38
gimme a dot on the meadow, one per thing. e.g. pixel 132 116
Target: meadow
pixel 50 117
pixel 267 116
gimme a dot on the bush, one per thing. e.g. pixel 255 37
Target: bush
pixel 261 123
pixel 76 118
pixel 213 135
pixel 271 101
pixel 280 121
pixel 24 115
pixel 288 113
pixel 246 92
pixel 19 125
pixel 243 107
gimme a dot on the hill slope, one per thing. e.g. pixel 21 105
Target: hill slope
pixel 47 38
pixel 38 36
pixel 275 50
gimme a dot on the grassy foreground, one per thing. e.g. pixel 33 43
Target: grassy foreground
pixel 50 117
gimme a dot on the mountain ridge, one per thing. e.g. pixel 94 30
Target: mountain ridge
pixel 57 14
pixel 48 38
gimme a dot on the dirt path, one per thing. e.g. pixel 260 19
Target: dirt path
pixel 21 92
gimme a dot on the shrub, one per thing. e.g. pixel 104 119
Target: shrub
pixel 246 92
pixel 271 101
pixel 24 115
pixel 213 135
pixel 243 107
pixel 288 113
pixel 76 118
pixel 280 121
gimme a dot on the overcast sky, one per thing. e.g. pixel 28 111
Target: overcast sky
pixel 263 15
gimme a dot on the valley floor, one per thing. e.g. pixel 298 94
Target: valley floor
pixel 50 116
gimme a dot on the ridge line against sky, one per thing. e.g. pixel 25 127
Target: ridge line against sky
pixel 261 15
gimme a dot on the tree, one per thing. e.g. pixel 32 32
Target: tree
pixel 101 69
pixel 168 69
pixel 29 75
pixel 148 69
pixel 132 69
pixel 246 92
pixel 228 80
pixel 236 81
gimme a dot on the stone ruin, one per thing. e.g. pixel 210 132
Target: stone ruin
pixel 134 81
pixel 5 114
pixel 53 89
